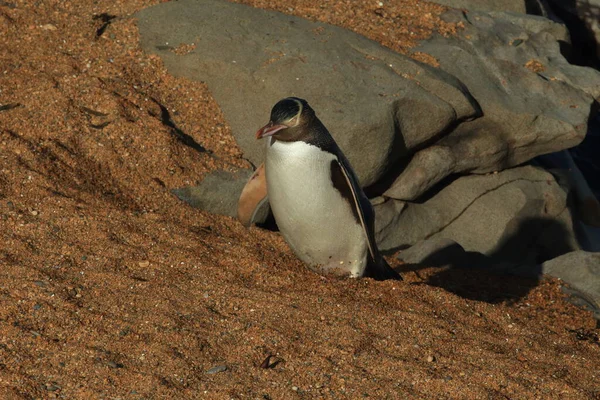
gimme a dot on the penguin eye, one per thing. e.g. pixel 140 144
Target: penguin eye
pixel 293 121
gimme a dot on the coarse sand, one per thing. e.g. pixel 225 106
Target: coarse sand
pixel 112 288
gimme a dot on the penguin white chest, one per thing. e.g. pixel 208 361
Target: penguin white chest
pixel 313 216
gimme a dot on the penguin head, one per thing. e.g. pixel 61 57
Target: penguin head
pixel 289 118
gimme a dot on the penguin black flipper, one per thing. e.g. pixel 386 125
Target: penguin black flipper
pixel 377 268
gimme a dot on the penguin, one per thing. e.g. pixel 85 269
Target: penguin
pixel 315 196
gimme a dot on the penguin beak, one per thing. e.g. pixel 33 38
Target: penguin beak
pixel 269 130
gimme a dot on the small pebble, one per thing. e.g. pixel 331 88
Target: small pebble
pixel 113 364
pixel 52 387
pixel 217 369
pixel 295 388
pixel 430 358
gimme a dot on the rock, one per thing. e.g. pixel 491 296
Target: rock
pixel 519 215
pixel 217 369
pixel 378 105
pixel 218 193
pixel 581 270
pixel 534 102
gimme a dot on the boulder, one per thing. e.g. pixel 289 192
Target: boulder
pixel 533 101
pixel 378 105
pixel 518 214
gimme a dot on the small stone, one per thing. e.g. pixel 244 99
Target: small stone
pixel 217 369
pixel 113 364
pixel 52 386
pixel 48 27
pixel 430 358
pixel 295 388
pixel 144 264
pixel 34 213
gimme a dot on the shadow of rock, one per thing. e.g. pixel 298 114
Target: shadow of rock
pixel 505 275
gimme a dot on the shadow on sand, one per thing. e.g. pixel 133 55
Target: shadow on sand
pixel 505 275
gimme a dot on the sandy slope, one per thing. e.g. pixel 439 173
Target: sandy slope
pixel 112 288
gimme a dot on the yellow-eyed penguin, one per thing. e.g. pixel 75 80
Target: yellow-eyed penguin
pixel 315 196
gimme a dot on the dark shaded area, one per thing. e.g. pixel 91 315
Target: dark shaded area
pixel 10 106
pixel 506 275
pixel 105 19
pixel 270 224
pixel 583 50
pixel 534 7
pixel 587 155
pixel 165 118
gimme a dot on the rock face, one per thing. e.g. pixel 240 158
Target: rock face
pixel 378 105
pixel 518 214
pixel 534 102
pixel 581 270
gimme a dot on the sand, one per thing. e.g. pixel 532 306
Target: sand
pixel 110 287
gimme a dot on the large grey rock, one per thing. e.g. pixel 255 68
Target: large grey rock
pixel 217 193
pixel 519 214
pixel 581 270
pixel 534 102
pixel 378 105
